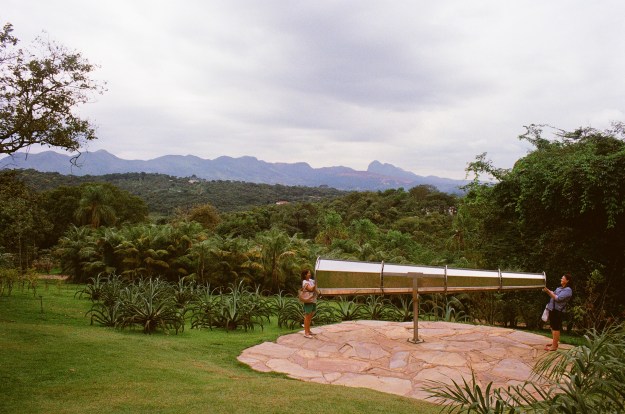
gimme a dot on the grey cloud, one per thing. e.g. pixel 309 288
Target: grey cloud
pixel 422 85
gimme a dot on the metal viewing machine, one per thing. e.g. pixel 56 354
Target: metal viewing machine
pixel 341 277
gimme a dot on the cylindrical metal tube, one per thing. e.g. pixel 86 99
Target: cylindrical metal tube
pixel 342 277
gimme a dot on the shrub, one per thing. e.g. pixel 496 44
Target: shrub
pixel 239 307
pixel 349 310
pixel 292 313
pixel 150 305
pixel 378 308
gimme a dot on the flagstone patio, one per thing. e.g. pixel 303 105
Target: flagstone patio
pixel 379 355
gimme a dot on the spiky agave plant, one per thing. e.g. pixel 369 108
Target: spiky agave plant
pixel 349 309
pixel 204 308
pixel 185 292
pixel 105 314
pixel 292 314
pixel 106 309
pixel 151 306
pixel 377 308
pixel 403 311
pixel 94 288
pixel 238 307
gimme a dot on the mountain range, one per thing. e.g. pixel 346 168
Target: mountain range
pixel 378 176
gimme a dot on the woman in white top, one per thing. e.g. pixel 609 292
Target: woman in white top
pixel 309 308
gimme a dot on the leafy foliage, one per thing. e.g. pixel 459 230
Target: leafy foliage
pixel 378 308
pixel 291 314
pixel 149 304
pixel 349 310
pixel 239 307
pixel 39 89
pixel 559 209
pixel 165 194
pixel 23 221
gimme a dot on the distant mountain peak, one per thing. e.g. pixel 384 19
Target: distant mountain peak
pixel 390 170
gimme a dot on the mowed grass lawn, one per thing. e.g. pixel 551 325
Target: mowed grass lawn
pixel 55 362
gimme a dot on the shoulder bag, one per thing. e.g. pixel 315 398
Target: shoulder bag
pixel 307 296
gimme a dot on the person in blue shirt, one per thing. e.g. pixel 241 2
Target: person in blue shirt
pixel 557 306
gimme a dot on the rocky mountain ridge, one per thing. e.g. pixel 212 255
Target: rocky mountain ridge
pixel 378 176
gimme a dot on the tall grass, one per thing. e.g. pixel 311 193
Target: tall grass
pixel 56 362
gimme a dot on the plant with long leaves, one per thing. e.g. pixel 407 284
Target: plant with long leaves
pixel 448 309
pixel 150 305
pixel 292 314
pixel 106 315
pixel 239 307
pixel 403 312
pixel 94 288
pixel 105 292
pixel 349 309
pixel 185 293
pixel 278 302
pixel 378 308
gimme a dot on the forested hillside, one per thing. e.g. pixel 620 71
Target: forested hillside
pixel 163 193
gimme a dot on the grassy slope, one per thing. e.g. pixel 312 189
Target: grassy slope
pixel 56 362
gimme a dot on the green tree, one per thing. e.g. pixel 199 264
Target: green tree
pixel 39 89
pixel 559 209
pixel 281 257
pixel 77 251
pixel 60 206
pixel 331 227
pixel 205 214
pixel 94 206
pixel 223 260
pixel 23 222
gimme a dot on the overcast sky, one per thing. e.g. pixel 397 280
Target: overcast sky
pixel 423 85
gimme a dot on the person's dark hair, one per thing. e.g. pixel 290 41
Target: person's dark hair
pixel 304 272
pixel 568 277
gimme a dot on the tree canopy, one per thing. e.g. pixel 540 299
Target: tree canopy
pixel 560 209
pixel 39 90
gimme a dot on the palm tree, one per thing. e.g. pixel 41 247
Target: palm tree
pixel 223 260
pixel 76 250
pixel 280 256
pixel 143 250
pixel 94 207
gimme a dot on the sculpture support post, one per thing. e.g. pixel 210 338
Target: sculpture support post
pixel 415 307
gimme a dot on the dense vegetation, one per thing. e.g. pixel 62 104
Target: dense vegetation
pixel 164 194
pixel 586 379
pixel 559 209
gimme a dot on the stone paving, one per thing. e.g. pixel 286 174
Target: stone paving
pixel 378 355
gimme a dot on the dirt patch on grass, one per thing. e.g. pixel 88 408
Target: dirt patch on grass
pixel 53 277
